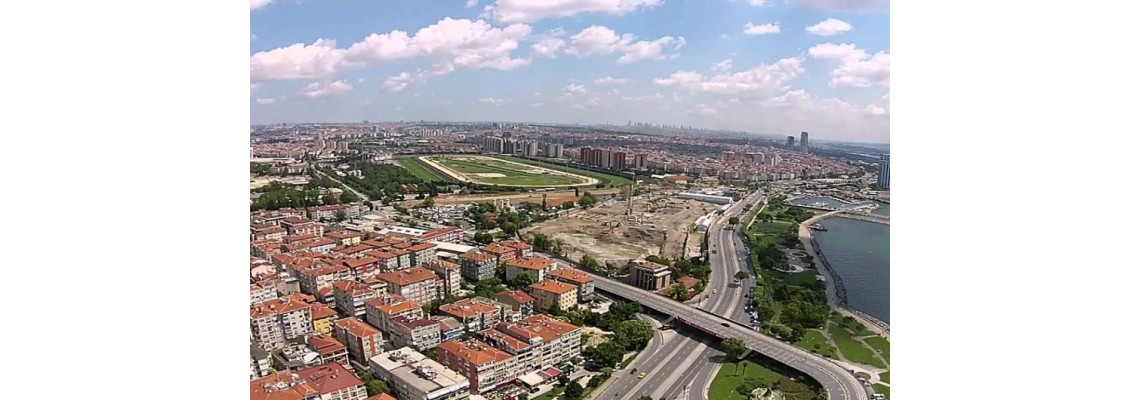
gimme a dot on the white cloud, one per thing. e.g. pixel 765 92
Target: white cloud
pixel 322 89
pixel 750 29
pixel 493 101
pixel 764 79
pixel 256 4
pixel 611 81
pixel 508 11
pixel 298 61
pixel 602 40
pixel 876 110
pixel 844 5
pixel 397 83
pixel 856 68
pixel 829 27
pixel 575 88
pixel 449 43
pixel 536 104
pixel 472 3
pixel 722 66
pixel 264 101
pixel 756 3
pixel 547 48
pixel 252 37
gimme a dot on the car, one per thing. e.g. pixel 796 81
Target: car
pixel 724 324
pixel 633 371
pixel 641 375
pixel 714 291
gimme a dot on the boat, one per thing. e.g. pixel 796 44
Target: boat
pixel 819 204
pixel 818 227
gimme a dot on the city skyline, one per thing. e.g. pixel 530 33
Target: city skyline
pixel 780 67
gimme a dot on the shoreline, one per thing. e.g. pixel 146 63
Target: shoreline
pixel 836 292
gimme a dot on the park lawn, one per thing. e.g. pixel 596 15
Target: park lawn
pixel 724 385
pixel 815 342
pixel 413 166
pixel 802 278
pixel 552 394
pixel 880 344
pixel 772 228
pixel 615 180
pixel 885 390
pixel 885 377
pixel 513 174
pixel 852 349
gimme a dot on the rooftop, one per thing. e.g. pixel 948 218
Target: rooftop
pixel 393 304
pixel 532 263
pixel 572 275
pixel 329 377
pixel 539 325
pixel 475 352
pixel 407 276
pixel 514 297
pixel 554 287
pixel 476 256
pixel 468 308
pixel 416 370
pixel 356 327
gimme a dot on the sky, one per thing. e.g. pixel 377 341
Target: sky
pixel 760 66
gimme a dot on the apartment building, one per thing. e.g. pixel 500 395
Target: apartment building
pixel 522 249
pixel 422 253
pixel 261 293
pixel 550 292
pixel 477 265
pixel 518 300
pixel 346 239
pixel 419 333
pixel 413 376
pixel 362 340
pixel 501 253
pixel 259 362
pixel 350 297
pixel 388 261
pixel 523 351
pixel 323 317
pixel 449 234
pixel 363 267
pixel 318 281
pixel 475 314
pixel 555 342
pixel 484 366
pixel 449 327
pixel 417 284
pixel 275 321
pixel 450 279
pixel 324 382
pixel 380 312
pixel 536 267
pixel 579 279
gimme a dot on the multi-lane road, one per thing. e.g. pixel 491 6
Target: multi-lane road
pixel 681 366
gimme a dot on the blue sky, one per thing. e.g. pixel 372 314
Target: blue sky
pixel 774 66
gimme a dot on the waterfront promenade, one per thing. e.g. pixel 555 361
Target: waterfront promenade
pixel 836 292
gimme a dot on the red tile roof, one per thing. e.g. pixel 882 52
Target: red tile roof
pixel 572 275
pixel 407 276
pixel 476 256
pixel 329 377
pixel 554 287
pixel 514 297
pixel 356 327
pixel 475 352
pixel 531 263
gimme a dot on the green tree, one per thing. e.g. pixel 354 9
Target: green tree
pixel 509 228
pixel 328 199
pixel 635 334
pixel 607 354
pixel 574 391
pixel 554 310
pixel 678 292
pixel 733 220
pixel 741 275
pixel 376 386
pixel 589 263
pixel 522 281
pixel 429 202
pixel 733 348
pixel 483 237
pixel 563 380
pixel 765 312
pixel 588 200
pixel 541 242
pixel 349 197
pixel 341 215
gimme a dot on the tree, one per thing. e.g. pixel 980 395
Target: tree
pixel 596 381
pixel 341 215
pixel 429 202
pixel 554 310
pixel 348 197
pixel 733 348
pixel 376 386
pixel 588 200
pixel 508 228
pixel 522 281
pixel 766 312
pixel 328 199
pixel 634 334
pixel 563 380
pixel 741 275
pixel 483 237
pixel 678 292
pixel 607 354
pixel 574 391
pixel 733 220
pixel 589 263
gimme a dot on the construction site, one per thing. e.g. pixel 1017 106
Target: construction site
pixel 655 222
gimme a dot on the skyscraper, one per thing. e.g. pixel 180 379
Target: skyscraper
pixel 639 161
pixel 804 142
pixel 792 142
pixel 885 172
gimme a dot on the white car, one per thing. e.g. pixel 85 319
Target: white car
pixel 714 291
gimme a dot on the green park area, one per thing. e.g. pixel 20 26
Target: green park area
pixel 732 375
pixel 852 349
pixel 493 171
pixel 885 390
pixel 881 345
pixel 885 377
pixel 552 394
pixel 614 180
pixel 416 168
pixel 815 342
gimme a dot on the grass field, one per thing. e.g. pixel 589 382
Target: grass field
pixel 813 340
pixel 772 228
pixel 801 278
pixel 612 179
pixel 881 345
pixel 851 348
pixel 885 377
pixel 491 171
pixel 885 390
pixel 418 170
pixel 726 381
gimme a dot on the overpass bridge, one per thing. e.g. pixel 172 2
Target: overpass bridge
pixel 839 383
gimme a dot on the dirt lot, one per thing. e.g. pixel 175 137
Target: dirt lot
pixel 514 197
pixel 605 233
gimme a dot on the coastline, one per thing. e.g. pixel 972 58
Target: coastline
pixel 836 292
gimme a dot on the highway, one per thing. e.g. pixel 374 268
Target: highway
pixel 685 362
pixel 680 366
